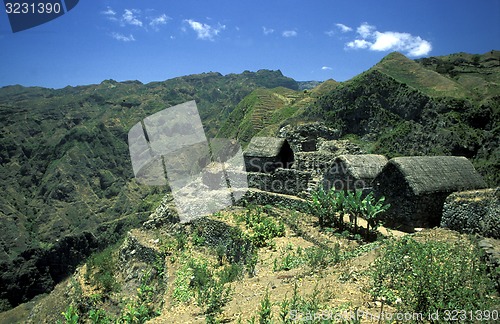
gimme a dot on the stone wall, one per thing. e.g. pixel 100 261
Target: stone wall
pixel 313 161
pixel 475 211
pixel 284 181
pixel 268 198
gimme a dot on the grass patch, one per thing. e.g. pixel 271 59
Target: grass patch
pixel 431 276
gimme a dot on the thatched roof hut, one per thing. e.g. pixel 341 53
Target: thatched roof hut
pixel 351 172
pixel 266 154
pixel 417 187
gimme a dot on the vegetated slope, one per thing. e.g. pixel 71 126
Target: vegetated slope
pixel 65 168
pixel 396 110
pixel 446 105
pixel 419 77
pixel 280 262
pixel 475 72
pixel 255 112
pixel 264 110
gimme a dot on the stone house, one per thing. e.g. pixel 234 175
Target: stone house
pixel 266 154
pixel 353 172
pixel 416 187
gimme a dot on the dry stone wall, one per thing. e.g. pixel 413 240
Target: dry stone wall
pixel 475 211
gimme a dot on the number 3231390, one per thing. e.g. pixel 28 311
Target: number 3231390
pixel 32 8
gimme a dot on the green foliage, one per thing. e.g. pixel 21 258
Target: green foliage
pixel 195 279
pixel 320 258
pixel 141 309
pixel 99 317
pixel 213 296
pixel 315 257
pixel 231 272
pixel 425 277
pixel 263 227
pixel 71 315
pixel 291 259
pixel 298 308
pixel 330 206
pixel 101 267
pixel 265 311
pixel 371 209
pixel 182 284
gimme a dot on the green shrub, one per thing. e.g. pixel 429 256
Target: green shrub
pixel 372 209
pixel 231 272
pixel 141 309
pixel 291 259
pixel 264 228
pixel 265 311
pixel 98 317
pixel 315 257
pixel 101 267
pixel 425 277
pixel 318 257
pixel 71 315
pixel 213 297
pixel 196 280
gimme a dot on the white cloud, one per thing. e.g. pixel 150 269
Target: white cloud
pixel 267 31
pixel 289 33
pixel 365 30
pixel 129 17
pixel 123 38
pixel 330 33
pixel 108 12
pixel 374 40
pixel 421 48
pixel 358 43
pixel 326 68
pixel 136 18
pixel 205 31
pixel 158 21
pixel 343 28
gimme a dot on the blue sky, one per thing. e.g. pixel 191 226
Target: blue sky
pixel 150 40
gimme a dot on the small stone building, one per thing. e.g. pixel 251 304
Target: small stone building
pixel 266 154
pixel 416 187
pixel 352 172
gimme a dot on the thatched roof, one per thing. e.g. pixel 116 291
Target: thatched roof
pixel 363 166
pixel 265 147
pixel 432 174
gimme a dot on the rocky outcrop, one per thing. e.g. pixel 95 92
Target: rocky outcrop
pixel 307 137
pixel 165 213
pixel 475 211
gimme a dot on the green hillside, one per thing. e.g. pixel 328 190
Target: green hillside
pixel 417 76
pixel 66 171
pixel 401 107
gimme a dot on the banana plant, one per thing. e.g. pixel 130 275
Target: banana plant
pixel 372 209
